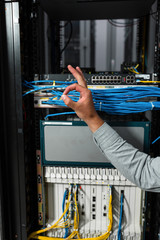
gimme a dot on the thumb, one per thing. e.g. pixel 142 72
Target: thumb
pixel 68 101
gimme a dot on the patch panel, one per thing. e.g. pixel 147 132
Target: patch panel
pixel 111 176
pixel 93 204
pixel 38 102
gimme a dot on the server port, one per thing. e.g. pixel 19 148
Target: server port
pixel 128 81
pixel 94 198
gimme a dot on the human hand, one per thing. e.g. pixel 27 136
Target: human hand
pixel 84 108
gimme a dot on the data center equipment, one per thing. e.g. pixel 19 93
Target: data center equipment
pixel 80 193
pixel 103 78
pixel 94 9
pixel 71 142
pixel 44 192
pixel 137 92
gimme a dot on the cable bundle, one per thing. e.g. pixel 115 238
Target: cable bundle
pixel 119 101
pixel 65 221
pixel 47 88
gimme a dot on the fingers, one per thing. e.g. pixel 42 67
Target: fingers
pixel 72 87
pixel 69 102
pixel 81 73
pixel 81 87
pixel 77 73
pixel 79 70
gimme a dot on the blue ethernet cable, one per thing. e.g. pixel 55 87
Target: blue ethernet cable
pixel 119 101
pixel 120 218
pixel 39 87
pixel 63 205
pixel 52 81
pixel 58 114
pixel 156 140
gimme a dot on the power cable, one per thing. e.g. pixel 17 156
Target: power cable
pixel 69 38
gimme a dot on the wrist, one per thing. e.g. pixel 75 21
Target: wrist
pixel 94 122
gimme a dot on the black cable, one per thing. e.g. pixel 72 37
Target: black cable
pixel 154 17
pixel 152 13
pixel 63 26
pixel 70 36
pixel 120 24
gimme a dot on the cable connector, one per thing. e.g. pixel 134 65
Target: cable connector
pixel 152 105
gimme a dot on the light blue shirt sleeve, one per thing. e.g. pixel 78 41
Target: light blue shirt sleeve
pixel 136 166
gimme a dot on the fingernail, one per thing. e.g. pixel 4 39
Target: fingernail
pixel 63 97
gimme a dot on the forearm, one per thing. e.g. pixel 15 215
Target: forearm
pixel 94 123
pixel 136 166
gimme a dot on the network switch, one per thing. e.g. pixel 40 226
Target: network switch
pixel 103 78
pixel 100 81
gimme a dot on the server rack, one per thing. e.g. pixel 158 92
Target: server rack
pixel 13 161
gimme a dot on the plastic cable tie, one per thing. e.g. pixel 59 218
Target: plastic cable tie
pixel 152 105
pixel 100 106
